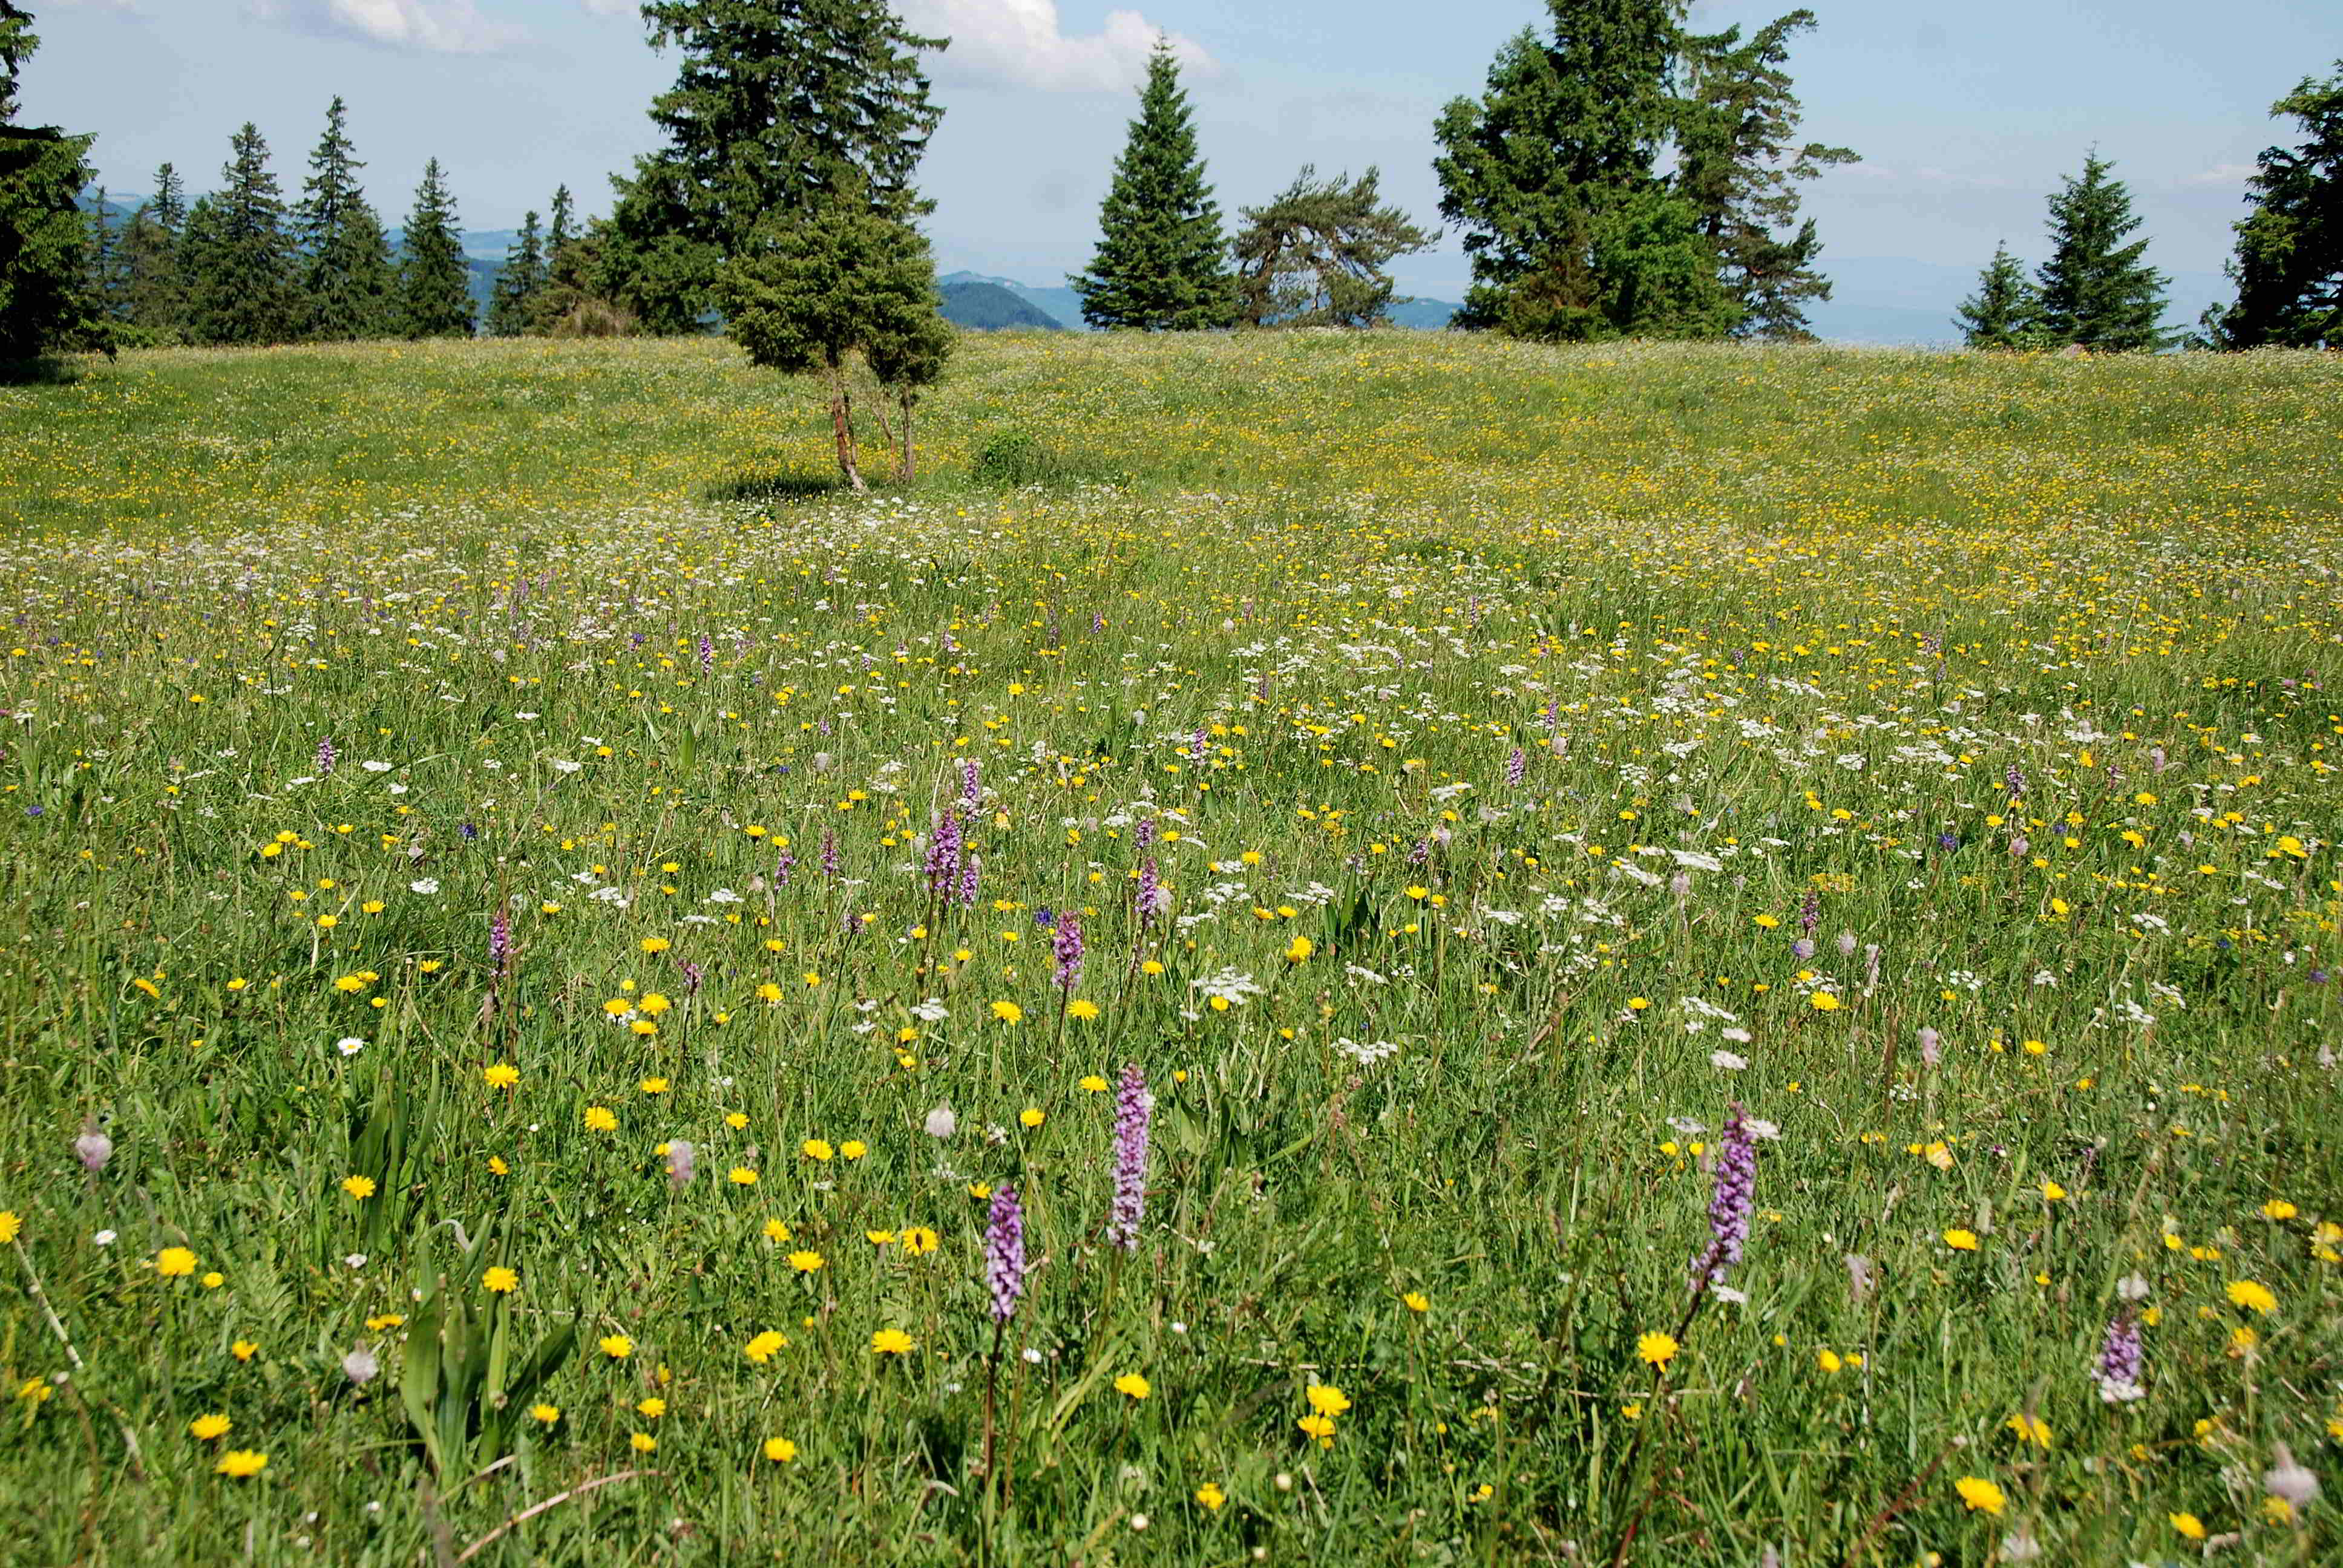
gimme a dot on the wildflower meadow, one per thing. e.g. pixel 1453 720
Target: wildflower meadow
pixel 1386 948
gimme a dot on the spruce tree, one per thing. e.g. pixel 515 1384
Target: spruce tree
pixel 435 295
pixel 513 307
pixel 1314 257
pixel 1740 167
pixel 2095 290
pixel 2006 312
pixel 1554 175
pixel 44 238
pixel 237 259
pixel 105 288
pixel 155 299
pixel 811 295
pixel 2289 267
pixel 346 275
pixel 779 106
pixel 1161 263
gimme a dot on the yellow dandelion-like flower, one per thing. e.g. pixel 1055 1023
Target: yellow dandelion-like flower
pixel 1981 1495
pixel 1656 1349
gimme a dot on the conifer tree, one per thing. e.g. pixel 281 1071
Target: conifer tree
pixel 1554 175
pixel 2006 312
pixel 237 259
pixel 513 306
pixel 104 287
pixel 346 274
pixel 153 300
pixel 811 295
pixel 779 106
pixel 2289 267
pixel 1740 167
pixel 434 295
pixel 1160 264
pixel 43 304
pixel 1314 257
pixel 2095 290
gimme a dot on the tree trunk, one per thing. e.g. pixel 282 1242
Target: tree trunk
pixel 841 420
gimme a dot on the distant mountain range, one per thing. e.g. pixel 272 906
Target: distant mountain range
pixel 1884 300
pixel 989 307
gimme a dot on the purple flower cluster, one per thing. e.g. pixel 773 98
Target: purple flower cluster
pixel 1004 1254
pixel 1068 946
pixel 326 756
pixel 1132 1107
pixel 944 850
pixel 1729 1206
pixel 500 940
pixel 1516 767
pixel 1150 894
pixel 969 792
pixel 829 855
pixel 969 873
pixel 2123 1358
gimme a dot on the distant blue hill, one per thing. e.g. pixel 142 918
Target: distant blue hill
pixel 989 307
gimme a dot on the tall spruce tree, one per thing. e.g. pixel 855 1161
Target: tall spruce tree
pixel 238 258
pixel 2289 267
pixel 565 280
pixel 106 286
pixel 435 281
pixel 155 297
pixel 44 238
pixel 513 304
pixel 1554 175
pixel 2006 311
pixel 2095 290
pixel 1740 166
pixel 811 295
pixel 779 106
pixel 1314 257
pixel 345 283
pixel 1160 264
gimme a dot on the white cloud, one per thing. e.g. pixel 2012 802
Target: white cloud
pixel 2225 174
pixel 433 26
pixel 611 7
pixel 1020 42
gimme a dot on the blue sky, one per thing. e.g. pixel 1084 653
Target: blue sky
pixel 1967 115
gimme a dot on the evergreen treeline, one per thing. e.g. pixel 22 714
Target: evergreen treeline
pixel 1618 175
pixel 245 266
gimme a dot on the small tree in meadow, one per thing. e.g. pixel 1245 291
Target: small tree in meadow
pixel 813 293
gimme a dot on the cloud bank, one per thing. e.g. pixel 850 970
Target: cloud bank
pixel 1023 43
pixel 429 26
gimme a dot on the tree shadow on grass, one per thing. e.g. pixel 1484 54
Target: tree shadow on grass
pixel 773 486
pixel 47 371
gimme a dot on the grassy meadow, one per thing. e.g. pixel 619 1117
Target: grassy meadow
pixel 541 931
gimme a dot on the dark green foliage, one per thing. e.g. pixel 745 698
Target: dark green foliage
pixel 813 293
pixel 236 255
pixel 2289 267
pixel 44 239
pixel 779 107
pixel 1314 257
pixel 435 297
pixel 2095 290
pixel 1737 163
pixel 989 307
pixel 105 286
pixel 346 279
pixel 2006 311
pixel 1161 263
pixel 1552 175
pixel 568 258
pixel 154 296
pixel 513 309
